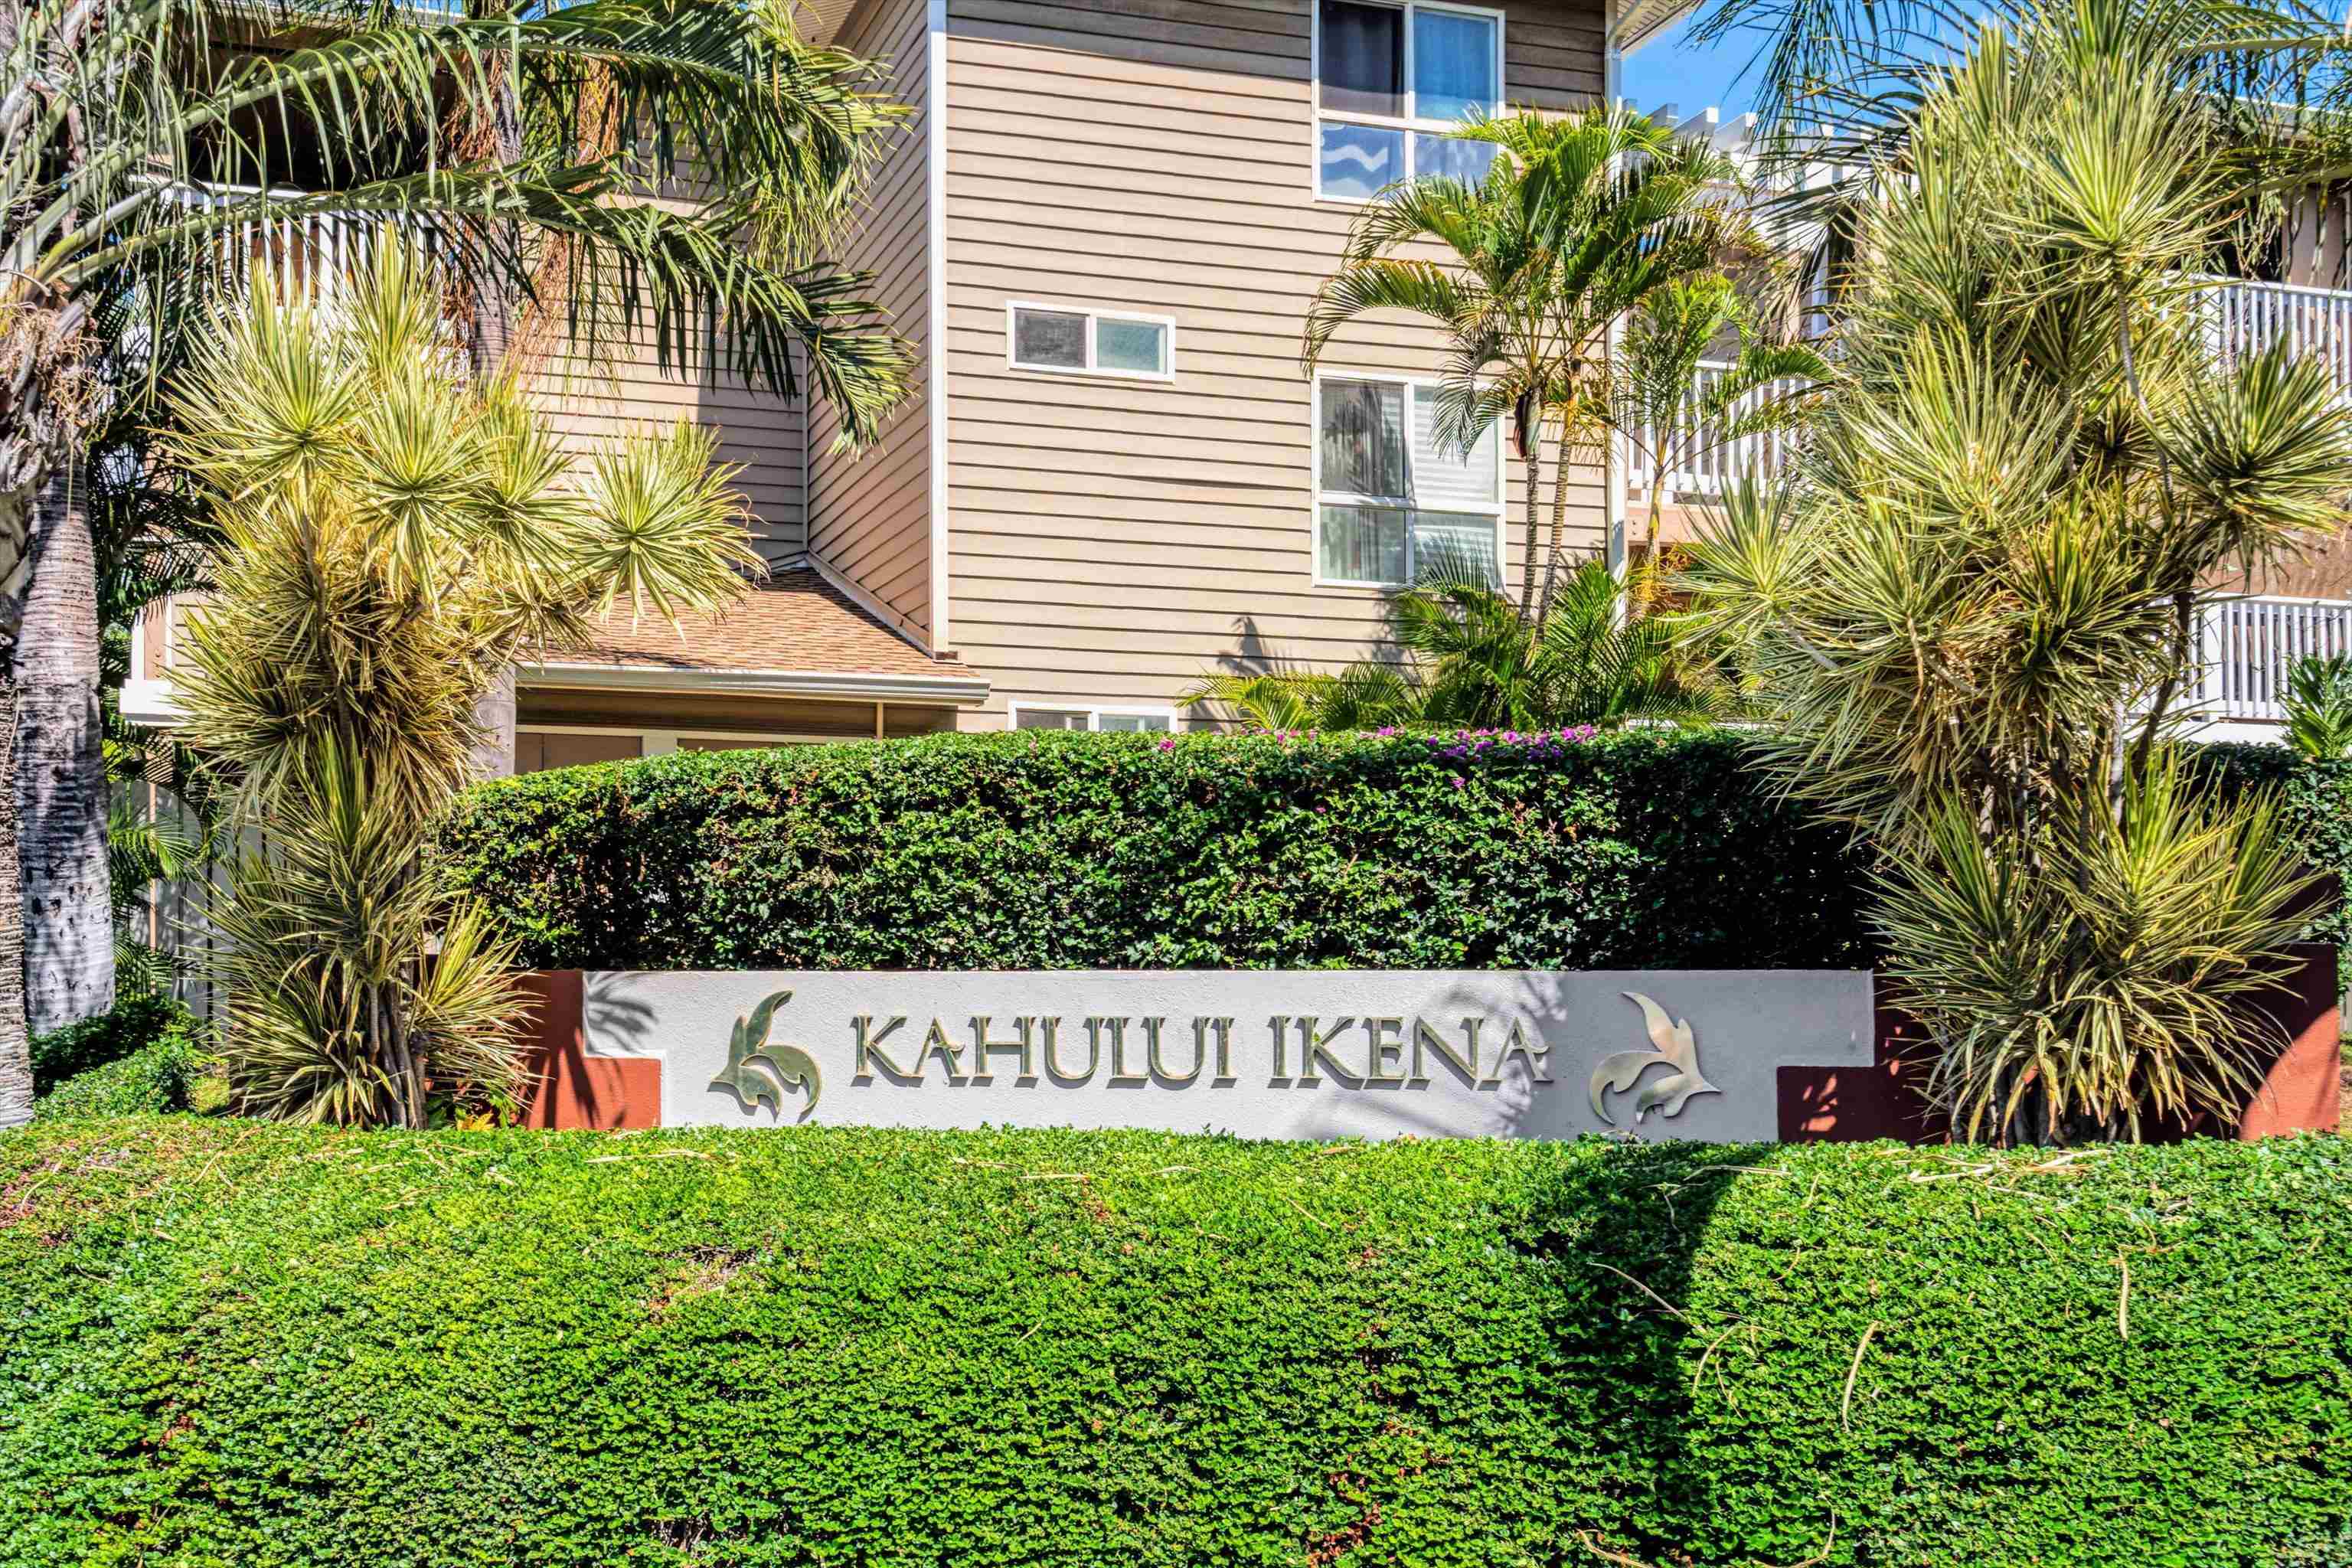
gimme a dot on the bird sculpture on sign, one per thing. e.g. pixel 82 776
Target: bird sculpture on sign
pixel 1673 1046
pixel 758 1072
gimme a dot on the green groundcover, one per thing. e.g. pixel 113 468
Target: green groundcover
pixel 228 1344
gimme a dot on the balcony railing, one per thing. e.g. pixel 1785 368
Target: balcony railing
pixel 2247 646
pixel 2248 318
pixel 1703 468
pixel 314 251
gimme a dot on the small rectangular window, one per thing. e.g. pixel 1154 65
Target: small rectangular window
pixel 1394 498
pixel 1108 720
pixel 1133 723
pixel 1090 342
pixel 1049 338
pixel 1390 79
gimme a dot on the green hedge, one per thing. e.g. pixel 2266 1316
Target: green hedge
pixel 133 1024
pixel 236 1344
pixel 2315 800
pixel 1047 850
pixel 1041 850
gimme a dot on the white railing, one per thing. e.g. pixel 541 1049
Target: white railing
pixel 2247 646
pixel 2247 318
pixel 314 251
pixel 1704 465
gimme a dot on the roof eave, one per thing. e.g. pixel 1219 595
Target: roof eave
pixel 840 686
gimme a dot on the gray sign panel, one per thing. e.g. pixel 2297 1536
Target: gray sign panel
pixel 1265 1054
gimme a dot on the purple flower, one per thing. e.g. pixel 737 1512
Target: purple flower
pixel 1457 780
pixel 1168 744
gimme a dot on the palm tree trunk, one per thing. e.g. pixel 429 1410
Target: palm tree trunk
pixel 1646 588
pixel 496 308
pixel 15 1040
pixel 1533 459
pixel 1558 526
pixel 60 792
pixel 494 715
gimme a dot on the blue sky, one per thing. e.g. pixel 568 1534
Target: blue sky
pixel 1668 69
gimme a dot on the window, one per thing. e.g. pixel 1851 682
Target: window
pixel 1089 343
pixel 1390 81
pixel 1390 500
pixel 1111 721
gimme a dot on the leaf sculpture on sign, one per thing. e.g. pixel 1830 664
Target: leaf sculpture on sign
pixel 1675 1047
pixel 786 1067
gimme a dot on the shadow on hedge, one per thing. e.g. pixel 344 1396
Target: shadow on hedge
pixel 1627 1231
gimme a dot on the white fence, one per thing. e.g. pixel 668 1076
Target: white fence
pixel 2248 318
pixel 2248 645
pixel 1702 462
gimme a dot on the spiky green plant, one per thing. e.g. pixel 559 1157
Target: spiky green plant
pixel 2107 983
pixel 1973 611
pixel 1472 659
pixel 2319 708
pixel 398 534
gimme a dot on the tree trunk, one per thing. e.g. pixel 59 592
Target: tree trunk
pixel 1646 587
pixel 15 1040
pixel 1558 526
pixel 494 714
pixel 60 791
pixel 1533 459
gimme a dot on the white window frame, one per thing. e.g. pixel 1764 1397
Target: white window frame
pixel 1094 714
pixel 1093 313
pixel 1408 121
pixel 665 742
pixel 1318 498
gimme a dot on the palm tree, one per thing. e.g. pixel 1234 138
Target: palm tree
pixel 1974 613
pixel 398 534
pixel 1670 418
pixel 1578 220
pixel 1474 661
pixel 139 155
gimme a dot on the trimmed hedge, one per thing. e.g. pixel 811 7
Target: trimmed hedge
pixel 1033 851
pixel 133 1024
pixel 150 1080
pixel 2315 802
pixel 240 1344
pixel 1044 850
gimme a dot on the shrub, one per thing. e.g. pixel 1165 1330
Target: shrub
pixel 231 1344
pixel 2315 810
pixel 154 1078
pixel 1051 851
pixel 134 1022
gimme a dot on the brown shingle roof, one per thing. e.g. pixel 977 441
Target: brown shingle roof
pixel 796 621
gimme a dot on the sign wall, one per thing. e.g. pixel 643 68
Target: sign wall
pixel 1269 1054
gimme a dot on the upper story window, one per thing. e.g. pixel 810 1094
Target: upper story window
pixel 1390 81
pixel 1389 501
pixel 1089 343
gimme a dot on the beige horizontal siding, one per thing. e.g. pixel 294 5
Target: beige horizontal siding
pixel 1114 540
pixel 871 510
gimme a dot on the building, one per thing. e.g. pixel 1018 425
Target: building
pixel 1101 230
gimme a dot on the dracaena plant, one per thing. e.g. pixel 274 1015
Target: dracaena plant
pixel 397 535
pixel 1973 612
